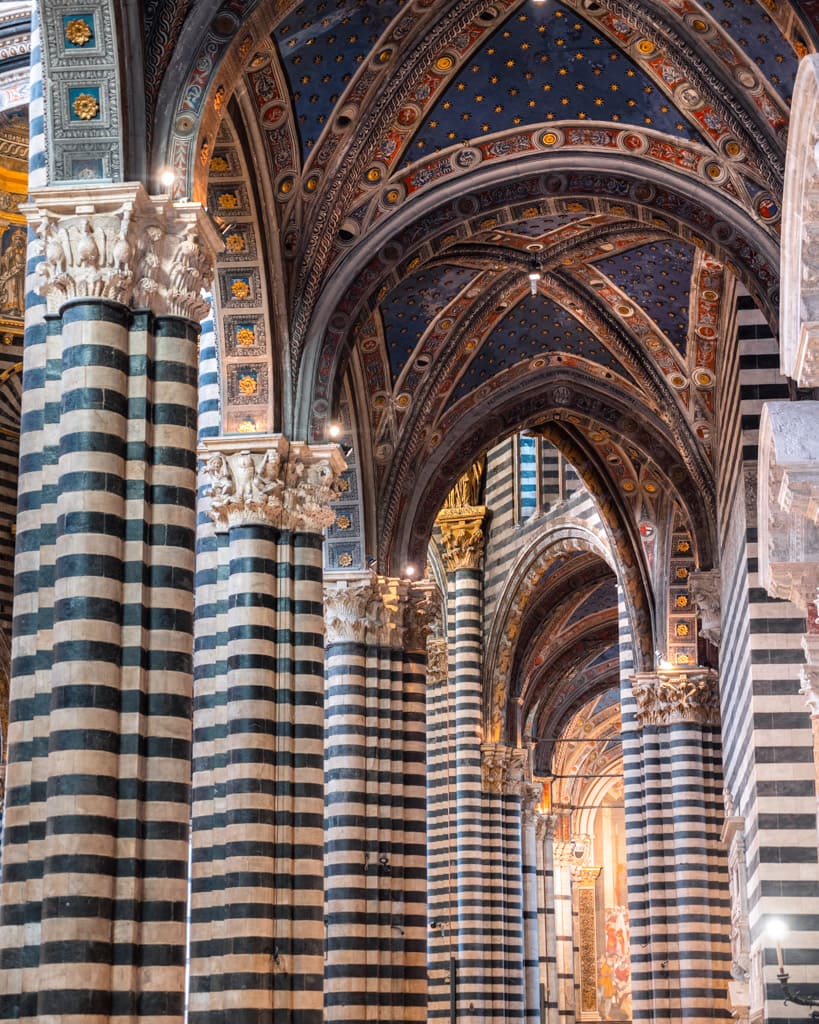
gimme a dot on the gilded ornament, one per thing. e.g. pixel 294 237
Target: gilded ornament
pixel 235 242
pixel 247 427
pixel 681 601
pixel 218 163
pixel 345 559
pixel 245 337
pixel 343 522
pixel 228 200
pixel 248 384
pixel 240 289
pixel 78 32
pixel 682 629
pixel 85 106
pixel 219 97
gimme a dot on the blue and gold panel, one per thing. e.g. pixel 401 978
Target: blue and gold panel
pixel 321 49
pixel 248 384
pixel 240 288
pixel 545 63
pixel 245 335
pixel 658 277
pixel 79 31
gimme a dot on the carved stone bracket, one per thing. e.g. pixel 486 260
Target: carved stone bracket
pixel 116 242
pixel 346 602
pixel 505 769
pixel 691 696
pixel 272 481
pixel 545 825
pixel 789 500
pixel 463 537
pixel 531 796
pixel 706 588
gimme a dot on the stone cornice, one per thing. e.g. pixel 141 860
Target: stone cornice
pixel 666 698
pixel 267 480
pixel 116 242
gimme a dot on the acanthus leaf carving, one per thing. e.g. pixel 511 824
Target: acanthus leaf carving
pixel 345 610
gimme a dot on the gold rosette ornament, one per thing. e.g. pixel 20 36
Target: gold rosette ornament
pixel 78 32
pixel 85 106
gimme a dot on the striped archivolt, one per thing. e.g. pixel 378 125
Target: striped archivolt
pixel 96 829
pixel 257 930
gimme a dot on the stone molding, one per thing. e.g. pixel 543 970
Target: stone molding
pixel 706 592
pixel 463 536
pixel 267 480
pixel 789 501
pixel 799 281
pixel 809 673
pixel 116 242
pixel 666 698
pixel 346 606
pixel 504 769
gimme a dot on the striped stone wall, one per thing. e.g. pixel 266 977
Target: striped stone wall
pixel 767 739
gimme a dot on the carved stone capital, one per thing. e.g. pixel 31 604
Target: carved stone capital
pixel 388 612
pixel 423 608
pixel 504 769
pixel 545 825
pixel 706 592
pixel 789 501
pixel 345 609
pixel 809 679
pixel 691 696
pixel 463 537
pixel 271 481
pixel 437 659
pixel 116 242
pixel 530 799
pixel 586 877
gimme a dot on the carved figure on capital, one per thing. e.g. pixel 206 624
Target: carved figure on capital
pixel 684 697
pixel 705 590
pixel 278 485
pixel 120 244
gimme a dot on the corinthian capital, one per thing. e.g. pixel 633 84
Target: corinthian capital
pixel 346 603
pixel 504 769
pixel 116 242
pixel 463 537
pixel 276 483
pixel 691 696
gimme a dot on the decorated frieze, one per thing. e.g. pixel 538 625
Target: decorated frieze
pixel 290 486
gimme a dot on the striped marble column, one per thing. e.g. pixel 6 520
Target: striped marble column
pixel 96 837
pixel 257 932
pixel 474 978
pixel 531 923
pixel 687 898
pixel 547 930
pixel 440 831
pixel 375 841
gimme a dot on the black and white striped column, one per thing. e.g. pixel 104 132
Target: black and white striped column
pixel 684 917
pixel 96 838
pixel 547 931
pixel 473 978
pixel 257 906
pixel 375 826
pixel 531 922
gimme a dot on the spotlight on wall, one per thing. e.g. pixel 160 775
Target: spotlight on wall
pixel 534 276
pixel 167 178
pixel 409 571
pixel 334 431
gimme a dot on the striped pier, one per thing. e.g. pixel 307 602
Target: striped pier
pixel 257 929
pixel 96 836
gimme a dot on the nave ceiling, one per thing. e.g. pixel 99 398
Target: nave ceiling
pixel 389 175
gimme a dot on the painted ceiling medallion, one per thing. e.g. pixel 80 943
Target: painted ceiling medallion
pixel 85 106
